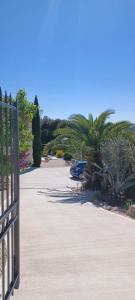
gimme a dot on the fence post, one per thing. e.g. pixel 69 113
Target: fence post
pixel 17 198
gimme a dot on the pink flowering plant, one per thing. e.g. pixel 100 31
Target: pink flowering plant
pixel 23 162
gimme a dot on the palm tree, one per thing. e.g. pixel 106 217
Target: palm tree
pixel 86 135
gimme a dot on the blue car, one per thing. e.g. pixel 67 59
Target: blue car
pixel 78 169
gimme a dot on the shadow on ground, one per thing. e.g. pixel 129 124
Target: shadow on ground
pixel 67 196
pixel 76 179
pixel 28 170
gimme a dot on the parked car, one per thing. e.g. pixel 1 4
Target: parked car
pixel 78 168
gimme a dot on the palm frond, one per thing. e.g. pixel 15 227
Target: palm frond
pixel 121 126
pixel 91 120
pixel 101 120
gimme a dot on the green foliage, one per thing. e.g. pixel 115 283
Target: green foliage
pixel 52 147
pixel 59 153
pixel 67 156
pixel 36 136
pixel 48 127
pixel 108 147
pixel 128 203
pixel 27 109
pixel 116 155
pixel 56 146
pixel 26 113
pixel 118 171
pixel 47 149
pixel 85 135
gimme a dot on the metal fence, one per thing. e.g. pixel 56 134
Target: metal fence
pixel 9 198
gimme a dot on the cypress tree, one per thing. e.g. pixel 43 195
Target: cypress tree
pixel 36 131
pixel 0 94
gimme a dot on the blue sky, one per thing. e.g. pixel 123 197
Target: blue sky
pixel 78 56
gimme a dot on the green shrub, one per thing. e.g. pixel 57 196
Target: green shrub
pixel 47 149
pixel 67 156
pixel 128 203
pixel 59 153
pixel 57 146
pixel 118 171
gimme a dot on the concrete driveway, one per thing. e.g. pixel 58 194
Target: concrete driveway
pixel 70 249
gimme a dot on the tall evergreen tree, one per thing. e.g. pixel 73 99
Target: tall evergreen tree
pixel 36 131
pixel 0 94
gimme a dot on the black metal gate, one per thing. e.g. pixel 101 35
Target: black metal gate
pixel 9 197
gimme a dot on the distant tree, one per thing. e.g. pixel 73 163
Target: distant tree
pixel 48 127
pixel 26 112
pixel 0 94
pixel 86 135
pixel 36 136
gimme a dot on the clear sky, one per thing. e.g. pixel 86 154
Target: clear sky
pixel 78 56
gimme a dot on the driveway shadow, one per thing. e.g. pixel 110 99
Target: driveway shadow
pixel 67 196
pixel 76 179
pixel 28 170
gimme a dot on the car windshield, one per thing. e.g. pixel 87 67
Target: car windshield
pixel 81 164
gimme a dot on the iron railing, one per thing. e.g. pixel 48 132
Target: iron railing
pixel 9 198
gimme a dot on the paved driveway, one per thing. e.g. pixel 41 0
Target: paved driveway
pixel 70 249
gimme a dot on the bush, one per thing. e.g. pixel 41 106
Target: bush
pixel 52 147
pixel 67 157
pixel 128 203
pixel 24 160
pixel 118 172
pixel 46 149
pixel 59 153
